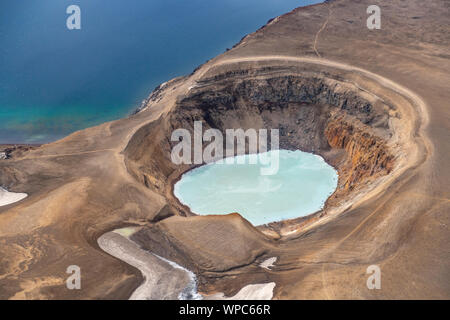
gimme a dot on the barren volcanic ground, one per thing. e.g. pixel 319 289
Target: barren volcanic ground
pixel 373 103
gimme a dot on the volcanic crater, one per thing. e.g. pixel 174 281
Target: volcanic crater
pixel 325 113
pixel 357 124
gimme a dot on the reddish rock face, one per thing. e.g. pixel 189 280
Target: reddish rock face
pixel 368 155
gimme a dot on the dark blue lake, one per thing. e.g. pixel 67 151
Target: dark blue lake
pixel 54 81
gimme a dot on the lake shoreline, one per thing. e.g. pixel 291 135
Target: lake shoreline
pixel 316 167
pixel 132 65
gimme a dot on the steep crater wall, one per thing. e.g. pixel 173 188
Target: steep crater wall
pixel 315 112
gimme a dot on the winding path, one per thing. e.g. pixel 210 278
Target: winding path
pixel 322 28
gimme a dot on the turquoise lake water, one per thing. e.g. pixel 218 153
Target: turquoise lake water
pixel 54 81
pixel 301 186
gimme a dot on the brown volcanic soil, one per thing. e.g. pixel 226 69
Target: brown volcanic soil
pixel 373 103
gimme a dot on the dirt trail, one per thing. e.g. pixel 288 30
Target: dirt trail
pixel 322 28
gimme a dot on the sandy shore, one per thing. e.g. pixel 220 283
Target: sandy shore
pixel 10 197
